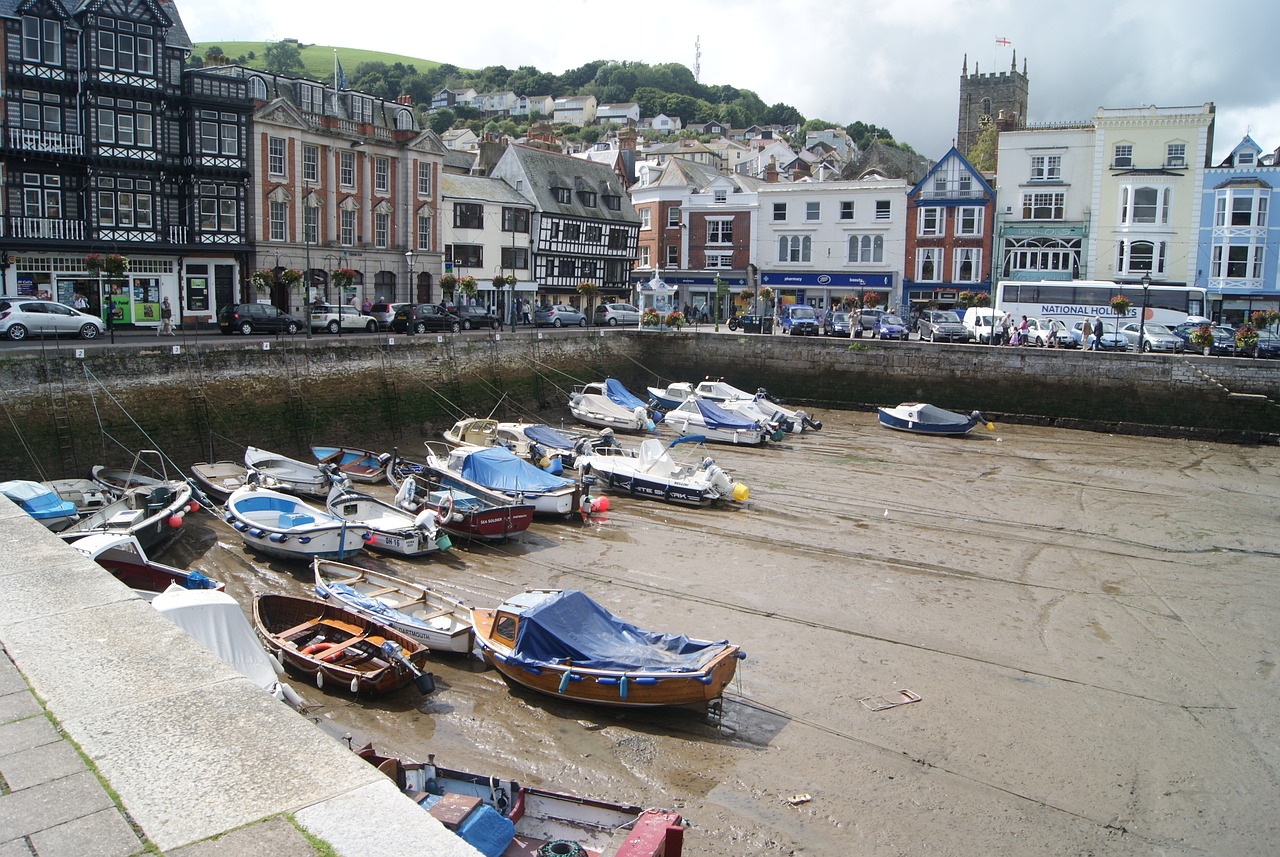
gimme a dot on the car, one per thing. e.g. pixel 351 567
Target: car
pixel 22 318
pixel 419 318
pixel 256 318
pixel 335 318
pixel 383 313
pixel 1224 338
pixel 978 323
pixel 799 320
pixel 616 314
pixel 837 324
pixel 866 319
pixel 1111 341
pixel 558 315
pixel 889 326
pixel 1268 345
pixel 476 317
pixel 1155 337
pixel 935 324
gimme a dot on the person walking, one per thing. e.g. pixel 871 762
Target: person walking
pixel 81 302
pixel 1005 324
pixel 1023 329
pixel 166 319
pixel 1096 345
pixel 365 307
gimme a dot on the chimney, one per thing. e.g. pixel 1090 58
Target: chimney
pixel 627 140
pixel 406 100
pixel 771 171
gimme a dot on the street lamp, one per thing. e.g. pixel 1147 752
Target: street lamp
pixel 1142 320
pixel 306 240
pixel 408 260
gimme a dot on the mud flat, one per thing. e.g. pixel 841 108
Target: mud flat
pixel 1089 622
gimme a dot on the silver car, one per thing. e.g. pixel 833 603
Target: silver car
pixel 559 315
pixel 616 314
pixel 935 324
pixel 22 318
pixel 1155 337
pixel 334 318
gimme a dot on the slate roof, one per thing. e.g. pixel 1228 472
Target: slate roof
pixel 541 171
pixel 480 188
pixel 175 36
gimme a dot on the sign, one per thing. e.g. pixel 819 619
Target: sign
pixel 678 279
pixel 777 280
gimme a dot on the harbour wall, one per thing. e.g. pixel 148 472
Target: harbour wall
pixel 208 399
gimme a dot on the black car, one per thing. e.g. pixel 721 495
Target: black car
pixel 423 317
pixel 476 317
pixel 256 318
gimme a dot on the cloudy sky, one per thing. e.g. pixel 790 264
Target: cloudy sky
pixel 890 64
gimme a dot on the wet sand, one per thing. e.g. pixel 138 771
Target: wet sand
pixel 1089 621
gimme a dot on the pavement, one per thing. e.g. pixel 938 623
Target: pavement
pixel 121 735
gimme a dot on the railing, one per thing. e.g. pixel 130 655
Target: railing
pixel 953 193
pixel 178 235
pixel 31 140
pixel 44 227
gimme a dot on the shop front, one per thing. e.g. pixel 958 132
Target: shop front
pixel 825 290
pixel 709 294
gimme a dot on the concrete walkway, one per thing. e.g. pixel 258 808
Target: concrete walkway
pixel 119 733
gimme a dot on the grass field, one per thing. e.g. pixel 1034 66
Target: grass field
pixel 318 59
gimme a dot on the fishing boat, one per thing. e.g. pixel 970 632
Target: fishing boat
pixel 706 418
pixel 41 502
pixel 391 529
pixel 562 643
pixel 337 647
pixel 497 816
pixel 722 393
pixel 359 465
pixel 438 621
pixel 926 419
pixel 650 473
pixel 283 525
pixel 149 514
pixel 591 405
pixel 219 478
pixel 123 556
pixel 473 513
pixel 472 431
pixel 497 469
pixel 287 474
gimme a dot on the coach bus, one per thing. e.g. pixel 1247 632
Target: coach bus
pixel 1073 300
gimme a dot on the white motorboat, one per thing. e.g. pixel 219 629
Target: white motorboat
pixel 391 529
pixel 597 409
pixel 650 472
pixel 670 396
pixel 42 503
pixel 219 478
pixel 285 526
pixel 702 417
pixel 85 494
pixel 496 468
pixel 549 448
pixel 472 431
pixel 149 513
pixel 287 474
pixel 123 556
pixel 790 420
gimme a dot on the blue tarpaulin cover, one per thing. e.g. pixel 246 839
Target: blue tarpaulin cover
pixel 718 418
pixel 621 395
pixel 570 625
pixel 548 437
pixel 498 468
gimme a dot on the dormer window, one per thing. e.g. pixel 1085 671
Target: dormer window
pixel 613 202
pixel 588 198
pixel 563 195
pixel 1245 159
pixel 720 196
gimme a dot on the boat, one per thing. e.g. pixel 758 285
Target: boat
pixel 560 642
pixel 287 474
pixel 87 495
pixel 283 525
pixel 149 514
pixel 438 621
pixel 219 478
pixel 670 396
pixel 123 556
pixel 712 422
pixel 337 647
pixel 42 503
pixel 391 529
pixel 920 418
pixel 360 465
pixel 650 473
pixel 497 816
pixel 613 389
pixel 474 513
pixel 790 420
pixel 589 404
pixel 497 469
pixel 472 431
pixel 548 448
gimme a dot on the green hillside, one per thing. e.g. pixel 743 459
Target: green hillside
pixel 318 59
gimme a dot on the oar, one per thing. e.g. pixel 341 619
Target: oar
pixel 424 682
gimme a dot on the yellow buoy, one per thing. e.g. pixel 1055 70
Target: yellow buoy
pixel 740 492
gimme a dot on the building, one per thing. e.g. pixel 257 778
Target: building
pixel 627 114
pixel 950 214
pixel 486 233
pixel 999 98
pixel 575 110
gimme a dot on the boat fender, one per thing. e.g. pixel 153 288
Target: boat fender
pixel 606 680
pixel 319 679
pixel 257 533
pixel 564 680
pixel 532 669
pixel 642 417
pixel 355 684
pixel 290 695
pixel 646 680
pixel 622 688
pixel 228 517
pixel 175 521
pixel 278 538
pixel 322 592
pixel 703 679
pixel 561 848
pixel 742 656
pixel 241 526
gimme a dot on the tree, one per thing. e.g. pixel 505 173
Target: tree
pixel 982 154
pixel 283 57
pixel 213 55
pixel 442 120
pixel 782 114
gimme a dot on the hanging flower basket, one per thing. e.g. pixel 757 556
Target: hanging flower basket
pixel 467 286
pixel 766 294
pixel 499 281
pixel 1246 337
pixel 674 319
pixel 93 263
pixel 1202 337
pixel 1120 305
pixel 343 277
pixel 981 299
pixel 746 295
pixel 291 277
pixel 650 318
pixel 115 265
pixel 871 300
pixel 261 281
pixel 448 282
pixel 509 279
pixel 587 288
pixel 965 299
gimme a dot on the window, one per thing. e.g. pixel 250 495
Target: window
pixel 866 249
pixel 41 41
pixel 719 260
pixel 929 264
pixel 125 202
pixel 219 206
pixel 940 185
pixel 310 222
pixel 563 195
pixel 257 89
pixel 347 169
pixel 515 258
pixel 795 248
pixel 515 219
pixel 276 217
pixel 1123 156
pixel 311 163
pixel 424 179
pixel 1247 207
pixel 424 232
pixel 1240 262
pixel 813 211
pixel 128 49
pixel 361 109
pixel 465 255
pixel 41 195
pixel 347 227
pixel 381 229
pixel 468 215
pixel 967 265
pixel 646 219
pixel 720 231
pixel 884 209
pixel 41 111
pixel 1145 200
pixel 1140 257
pixel 779 211
pixel 673 256
pixel 720 196
pixel 219 133
pixel 587 198
pixel 572 232
pixel 612 201
pixel 965 183
pixel 1175 155
pixel 275 156
pixel 310 97
pixel 969 221
pixel 929 221
pixel 846 210
pixel 1046 168
pixel 381 175
pixel 673 216
pixel 645 257
pixel 1244 159
pixel 1044 206
pixel 125 122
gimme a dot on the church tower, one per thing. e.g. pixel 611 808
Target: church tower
pixel 1001 98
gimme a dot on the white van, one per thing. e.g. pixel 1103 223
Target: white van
pixel 977 323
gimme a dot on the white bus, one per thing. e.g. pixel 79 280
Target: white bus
pixel 1075 300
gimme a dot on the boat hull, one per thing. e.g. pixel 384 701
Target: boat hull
pixel 359 465
pixel 284 526
pixel 146 513
pixel 287 474
pixel 441 623
pixel 483 515
pixel 903 422
pixel 220 478
pixel 653 489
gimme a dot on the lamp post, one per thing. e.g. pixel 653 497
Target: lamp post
pixel 408 260
pixel 306 240
pixel 1142 320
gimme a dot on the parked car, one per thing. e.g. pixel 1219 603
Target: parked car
pixel 383 313
pixel 866 319
pixel 799 320
pixel 335 318
pixel 256 318
pixel 1111 341
pixel 889 326
pixel 837 324
pixel 476 317
pixel 1155 337
pixel 22 318
pixel 1224 338
pixel 1268 345
pixel 935 324
pixel 617 314
pixel 423 317
pixel 978 323
pixel 1040 333
pixel 558 315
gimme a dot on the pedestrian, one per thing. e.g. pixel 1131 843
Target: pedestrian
pixel 1055 331
pixel 1022 331
pixel 81 302
pixel 365 307
pixel 1097 333
pixel 525 309
pixel 166 319
pixel 1005 324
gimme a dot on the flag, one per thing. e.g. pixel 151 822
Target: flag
pixel 1003 42
pixel 339 76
